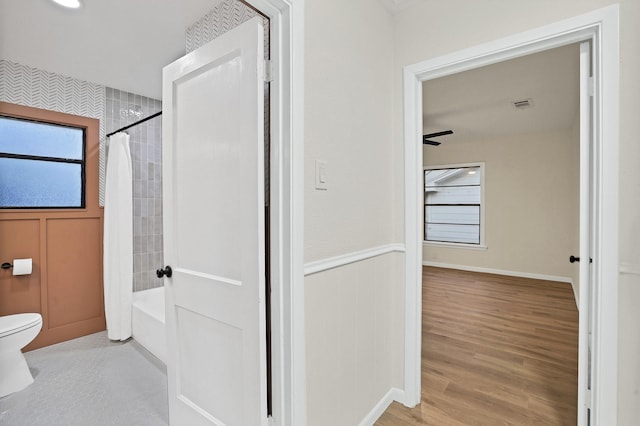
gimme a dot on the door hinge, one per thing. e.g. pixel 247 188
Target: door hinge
pixel 268 71
pixel 270 421
pixel 588 398
pixel 591 86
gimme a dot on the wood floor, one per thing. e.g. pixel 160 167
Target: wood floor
pixel 495 351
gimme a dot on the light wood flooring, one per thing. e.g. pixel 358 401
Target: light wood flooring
pixel 496 350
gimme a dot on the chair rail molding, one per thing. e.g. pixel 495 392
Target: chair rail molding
pixel 321 265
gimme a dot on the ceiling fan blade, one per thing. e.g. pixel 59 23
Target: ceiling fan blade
pixel 433 135
pixel 428 142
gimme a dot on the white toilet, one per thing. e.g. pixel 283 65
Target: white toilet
pixel 16 332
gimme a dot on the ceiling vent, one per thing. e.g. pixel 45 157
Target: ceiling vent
pixel 523 104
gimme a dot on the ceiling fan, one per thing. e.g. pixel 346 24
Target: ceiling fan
pixel 426 141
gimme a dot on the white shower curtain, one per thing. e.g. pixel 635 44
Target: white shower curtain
pixel 118 238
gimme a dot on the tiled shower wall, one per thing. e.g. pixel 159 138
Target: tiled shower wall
pixel 145 141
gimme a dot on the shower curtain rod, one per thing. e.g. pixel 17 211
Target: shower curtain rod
pixel 136 123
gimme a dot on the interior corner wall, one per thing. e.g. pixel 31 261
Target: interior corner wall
pixel 353 313
pixel 493 19
pixel 530 207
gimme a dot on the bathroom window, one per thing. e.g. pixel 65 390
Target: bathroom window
pixel 453 201
pixel 42 165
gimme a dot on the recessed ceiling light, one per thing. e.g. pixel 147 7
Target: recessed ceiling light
pixel 73 4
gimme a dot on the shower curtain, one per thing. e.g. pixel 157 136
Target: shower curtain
pixel 118 238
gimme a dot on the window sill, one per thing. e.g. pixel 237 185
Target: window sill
pixel 455 245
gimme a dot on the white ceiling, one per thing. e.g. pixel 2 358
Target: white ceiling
pixel 477 104
pixel 124 44
pixel 116 43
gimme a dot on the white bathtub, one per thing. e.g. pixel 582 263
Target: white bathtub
pixel 147 321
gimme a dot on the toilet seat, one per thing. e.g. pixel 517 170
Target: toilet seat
pixel 11 324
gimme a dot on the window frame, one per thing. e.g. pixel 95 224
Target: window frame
pixel 82 162
pixel 91 128
pixel 482 243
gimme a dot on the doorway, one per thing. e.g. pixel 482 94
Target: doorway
pixel 287 300
pixel 599 27
pixel 502 201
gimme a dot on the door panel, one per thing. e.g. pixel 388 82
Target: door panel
pixel 73 262
pixel 214 235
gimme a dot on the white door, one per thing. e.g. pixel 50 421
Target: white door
pixel 586 202
pixel 213 151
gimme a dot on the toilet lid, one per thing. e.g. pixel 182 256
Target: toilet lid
pixel 10 324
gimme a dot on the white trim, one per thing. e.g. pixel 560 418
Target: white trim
pixel 394 394
pixel 629 269
pixel 464 246
pixel 586 203
pixel 602 27
pixel 519 274
pixel 287 209
pixel 353 257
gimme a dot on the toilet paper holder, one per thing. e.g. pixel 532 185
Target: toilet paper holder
pixel 6 265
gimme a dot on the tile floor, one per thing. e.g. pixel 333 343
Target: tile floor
pixel 90 381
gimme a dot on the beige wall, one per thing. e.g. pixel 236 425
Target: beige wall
pixel 354 322
pixel 348 104
pixel 449 30
pixel 352 346
pixel 530 208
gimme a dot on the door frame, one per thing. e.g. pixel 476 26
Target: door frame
pixel 287 208
pixel 601 27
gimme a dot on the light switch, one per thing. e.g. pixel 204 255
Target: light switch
pixel 321 175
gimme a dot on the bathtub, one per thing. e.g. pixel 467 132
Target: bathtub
pixel 147 321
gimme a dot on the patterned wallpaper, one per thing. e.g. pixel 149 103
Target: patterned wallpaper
pixel 226 15
pixel 24 85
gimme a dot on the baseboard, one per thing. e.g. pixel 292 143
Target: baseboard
pixel 575 295
pixel 394 394
pixel 499 272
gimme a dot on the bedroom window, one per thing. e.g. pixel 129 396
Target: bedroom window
pixel 42 165
pixel 453 204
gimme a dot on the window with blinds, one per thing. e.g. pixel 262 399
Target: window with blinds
pixel 453 204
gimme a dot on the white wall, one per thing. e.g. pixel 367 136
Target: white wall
pixel 354 322
pixel 352 346
pixel 530 209
pixel 435 27
pixel 348 96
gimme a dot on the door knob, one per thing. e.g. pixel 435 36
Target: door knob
pixel 166 272
pixel 574 259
